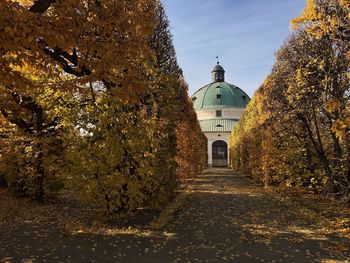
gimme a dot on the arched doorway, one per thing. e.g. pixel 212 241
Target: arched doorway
pixel 219 154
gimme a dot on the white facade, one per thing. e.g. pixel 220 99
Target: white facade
pixel 227 113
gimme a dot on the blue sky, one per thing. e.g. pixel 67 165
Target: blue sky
pixel 245 34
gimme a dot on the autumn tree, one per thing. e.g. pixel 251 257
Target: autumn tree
pixel 51 51
pixel 191 147
pixel 327 22
pixel 92 96
pixel 128 150
pixel 175 104
pixel 301 112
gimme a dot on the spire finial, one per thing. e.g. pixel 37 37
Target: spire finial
pixel 217 58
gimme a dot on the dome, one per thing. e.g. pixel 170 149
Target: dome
pixel 220 95
pixel 218 68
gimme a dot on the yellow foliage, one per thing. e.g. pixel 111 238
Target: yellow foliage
pixel 94 86
pixel 309 13
pixel 341 128
pixel 332 105
pixel 345 3
pixel 295 131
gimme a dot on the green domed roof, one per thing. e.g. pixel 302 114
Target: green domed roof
pixel 218 68
pixel 220 95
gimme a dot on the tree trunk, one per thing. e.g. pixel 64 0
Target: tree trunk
pixel 40 171
pixel 2 180
pixel 317 144
pixel 39 180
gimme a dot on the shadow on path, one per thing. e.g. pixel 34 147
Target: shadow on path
pixel 224 218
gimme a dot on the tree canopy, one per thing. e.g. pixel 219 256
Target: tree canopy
pixel 92 99
pixel 296 130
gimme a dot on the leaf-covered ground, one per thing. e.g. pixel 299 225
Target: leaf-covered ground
pixel 218 217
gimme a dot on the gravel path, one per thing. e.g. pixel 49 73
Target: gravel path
pixel 218 217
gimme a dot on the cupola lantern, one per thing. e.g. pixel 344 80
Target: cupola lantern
pixel 218 73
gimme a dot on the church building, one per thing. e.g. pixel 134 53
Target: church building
pixel 219 106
